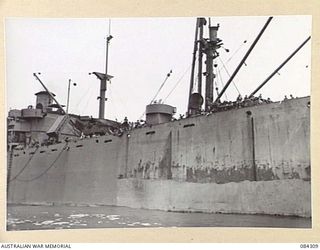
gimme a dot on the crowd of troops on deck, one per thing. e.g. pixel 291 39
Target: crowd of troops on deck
pixel 240 102
pixel 219 106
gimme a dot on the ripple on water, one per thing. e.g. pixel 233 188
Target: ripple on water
pixel 78 215
pixel 39 217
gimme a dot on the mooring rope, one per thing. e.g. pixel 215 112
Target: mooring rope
pixel 24 167
pixel 44 172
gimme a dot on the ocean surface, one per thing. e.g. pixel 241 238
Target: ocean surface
pixel 26 217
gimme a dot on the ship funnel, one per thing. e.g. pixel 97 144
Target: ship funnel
pixel 157 113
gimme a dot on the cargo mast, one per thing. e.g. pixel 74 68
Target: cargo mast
pixel 210 50
pixel 209 47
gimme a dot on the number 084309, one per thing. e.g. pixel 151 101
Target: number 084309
pixel 304 245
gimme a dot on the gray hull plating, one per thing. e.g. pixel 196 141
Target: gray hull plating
pixel 248 160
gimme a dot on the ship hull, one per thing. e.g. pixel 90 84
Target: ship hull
pixel 253 160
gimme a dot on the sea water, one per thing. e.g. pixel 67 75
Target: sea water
pixel 26 217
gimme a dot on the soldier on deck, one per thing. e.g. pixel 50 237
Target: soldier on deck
pixel 125 124
pixel 137 124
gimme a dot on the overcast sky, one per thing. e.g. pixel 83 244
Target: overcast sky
pixel 141 53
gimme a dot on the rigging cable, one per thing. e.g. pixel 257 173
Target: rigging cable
pixel 168 75
pixel 111 103
pixel 221 81
pixel 88 100
pixel 84 95
pixel 123 103
pixel 245 41
pixel 23 168
pixel 177 83
pixel 225 68
pixel 229 59
pixel 44 172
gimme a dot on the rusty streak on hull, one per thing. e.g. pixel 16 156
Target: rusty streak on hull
pixel 216 149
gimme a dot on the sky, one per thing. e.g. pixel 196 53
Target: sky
pixel 141 53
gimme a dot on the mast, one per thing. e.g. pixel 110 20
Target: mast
pixel 211 47
pixel 103 77
pixel 107 47
pixel 103 84
pixel 202 22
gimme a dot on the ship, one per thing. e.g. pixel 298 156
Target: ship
pixel 248 156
